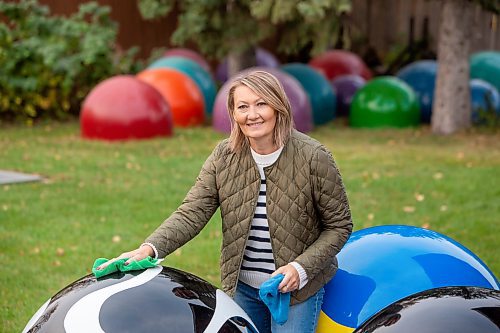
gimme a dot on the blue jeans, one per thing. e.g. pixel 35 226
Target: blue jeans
pixel 302 317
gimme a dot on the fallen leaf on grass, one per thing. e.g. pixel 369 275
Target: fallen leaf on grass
pixel 116 239
pixel 419 197
pixel 408 209
pixel 438 176
pixel 60 251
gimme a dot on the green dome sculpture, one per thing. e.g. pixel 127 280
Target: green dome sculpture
pixel 385 101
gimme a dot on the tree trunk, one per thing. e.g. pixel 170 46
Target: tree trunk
pixel 241 56
pixel 239 60
pixel 452 105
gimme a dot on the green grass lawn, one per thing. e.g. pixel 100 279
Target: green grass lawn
pixel 99 199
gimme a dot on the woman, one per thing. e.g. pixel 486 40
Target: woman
pixel 283 206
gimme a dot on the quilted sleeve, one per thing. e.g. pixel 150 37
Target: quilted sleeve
pixel 193 214
pixel 333 211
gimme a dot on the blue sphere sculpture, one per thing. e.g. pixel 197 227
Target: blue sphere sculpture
pixel 319 90
pixel 485 98
pixel 381 265
pixel 421 76
pixel 200 76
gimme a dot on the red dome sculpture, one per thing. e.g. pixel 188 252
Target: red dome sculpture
pixel 340 62
pixel 123 107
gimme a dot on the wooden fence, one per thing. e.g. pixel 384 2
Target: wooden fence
pixel 387 23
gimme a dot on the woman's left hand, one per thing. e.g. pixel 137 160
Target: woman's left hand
pixel 291 280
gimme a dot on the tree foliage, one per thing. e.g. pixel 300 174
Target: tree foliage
pixel 48 63
pixel 219 27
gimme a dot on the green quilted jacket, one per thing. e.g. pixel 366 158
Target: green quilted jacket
pixel 307 210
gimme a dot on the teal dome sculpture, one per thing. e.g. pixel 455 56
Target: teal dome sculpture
pixel 486 66
pixel 318 88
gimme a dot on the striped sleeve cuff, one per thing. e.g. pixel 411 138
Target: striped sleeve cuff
pixel 302 274
pixel 153 247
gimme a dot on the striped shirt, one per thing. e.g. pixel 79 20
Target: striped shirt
pixel 258 260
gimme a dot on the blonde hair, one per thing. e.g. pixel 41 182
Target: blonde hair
pixel 267 87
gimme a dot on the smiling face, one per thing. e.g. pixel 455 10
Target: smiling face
pixel 260 113
pixel 255 118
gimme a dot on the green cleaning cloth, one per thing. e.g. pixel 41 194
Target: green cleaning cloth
pixel 119 265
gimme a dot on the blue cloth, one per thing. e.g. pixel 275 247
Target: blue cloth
pixel 277 302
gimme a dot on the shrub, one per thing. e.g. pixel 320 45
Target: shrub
pixel 48 64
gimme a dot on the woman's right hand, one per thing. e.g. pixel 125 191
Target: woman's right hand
pixel 135 255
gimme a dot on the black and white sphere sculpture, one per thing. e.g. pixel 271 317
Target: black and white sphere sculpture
pixel 446 309
pixel 158 299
